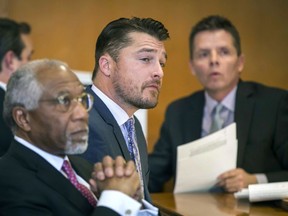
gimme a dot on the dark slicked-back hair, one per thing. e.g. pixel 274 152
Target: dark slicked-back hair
pixel 114 36
pixel 212 23
pixel 10 37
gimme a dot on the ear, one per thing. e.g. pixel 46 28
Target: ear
pixel 241 61
pixel 191 66
pixel 21 118
pixel 106 64
pixel 9 61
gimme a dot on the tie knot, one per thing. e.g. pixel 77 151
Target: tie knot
pixel 129 124
pixel 66 167
pixel 218 108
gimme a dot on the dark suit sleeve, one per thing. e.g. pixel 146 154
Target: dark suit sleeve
pixel 160 160
pixel 280 146
pixel 6 135
pixel 26 209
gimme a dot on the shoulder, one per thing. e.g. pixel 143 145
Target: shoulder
pixel 261 90
pixel 194 99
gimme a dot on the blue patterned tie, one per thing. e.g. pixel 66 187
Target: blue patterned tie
pixel 133 149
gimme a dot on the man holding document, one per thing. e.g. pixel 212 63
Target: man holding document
pixel 260 113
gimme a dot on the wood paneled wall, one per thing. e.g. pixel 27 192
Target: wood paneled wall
pixel 67 30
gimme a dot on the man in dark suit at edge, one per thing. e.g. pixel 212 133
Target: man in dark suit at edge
pixel 260 112
pixel 16 49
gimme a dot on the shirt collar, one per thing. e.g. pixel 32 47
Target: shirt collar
pixel 228 101
pixel 3 85
pixel 118 113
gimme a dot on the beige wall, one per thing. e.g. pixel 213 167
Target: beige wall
pixel 67 30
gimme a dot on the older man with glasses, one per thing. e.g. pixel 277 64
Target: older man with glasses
pixel 46 108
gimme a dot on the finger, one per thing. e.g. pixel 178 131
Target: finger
pixel 93 185
pixel 98 172
pixel 108 164
pixel 223 176
pixel 119 166
pixel 130 168
pixel 221 183
pixel 228 174
pixel 136 181
pixel 234 184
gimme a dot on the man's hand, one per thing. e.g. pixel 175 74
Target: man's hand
pixel 236 179
pixel 115 175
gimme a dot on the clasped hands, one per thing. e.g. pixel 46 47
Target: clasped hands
pixel 116 175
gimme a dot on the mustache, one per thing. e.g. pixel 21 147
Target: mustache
pixel 81 130
pixel 155 82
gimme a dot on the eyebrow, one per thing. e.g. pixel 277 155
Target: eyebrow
pixel 149 50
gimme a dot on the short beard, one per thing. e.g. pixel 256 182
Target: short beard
pixel 142 103
pixel 135 100
pixel 78 147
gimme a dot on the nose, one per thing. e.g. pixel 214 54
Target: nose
pixel 80 112
pixel 214 58
pixel 158 72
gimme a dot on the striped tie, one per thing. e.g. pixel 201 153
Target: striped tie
pixel 217 120
pixel 67 169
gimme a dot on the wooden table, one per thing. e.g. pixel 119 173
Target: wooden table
pixel 202 204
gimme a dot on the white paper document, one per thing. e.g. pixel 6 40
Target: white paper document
pixel 200 162
pixel 264 192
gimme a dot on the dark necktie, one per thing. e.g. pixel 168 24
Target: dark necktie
pixel 133 149
pixel 67 169
pixel 217 120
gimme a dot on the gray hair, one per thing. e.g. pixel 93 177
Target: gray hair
pixel 24 89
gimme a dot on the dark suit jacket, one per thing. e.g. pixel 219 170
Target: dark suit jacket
pixel 261 114
pixel 30 186
pixel 106 138
pixel 6 135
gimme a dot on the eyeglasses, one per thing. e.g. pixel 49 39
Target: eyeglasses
pixel 65 102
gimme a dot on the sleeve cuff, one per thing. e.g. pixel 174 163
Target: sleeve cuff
pixel 119 202
pixel 261 178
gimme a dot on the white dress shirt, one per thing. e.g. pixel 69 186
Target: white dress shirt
pixel 3 85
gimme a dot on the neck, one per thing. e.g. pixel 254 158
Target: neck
pixel 219 95
pixel 4 77
pixel 108 91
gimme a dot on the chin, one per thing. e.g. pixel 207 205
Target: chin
pixel 76 147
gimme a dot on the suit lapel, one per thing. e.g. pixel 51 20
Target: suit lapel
pixel 243 116
pixel 193 117
pixel 107 116
pixel 141 142
pixel 51 177
pixel 142 146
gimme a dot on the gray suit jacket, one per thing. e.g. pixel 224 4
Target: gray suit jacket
pixel 106 138
pixel 261 114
